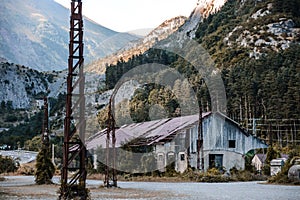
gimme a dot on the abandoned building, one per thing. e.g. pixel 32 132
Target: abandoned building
pixel 225 143
pixel 259 160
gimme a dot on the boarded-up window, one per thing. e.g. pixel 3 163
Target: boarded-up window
pixel 231 143
pixel 160 158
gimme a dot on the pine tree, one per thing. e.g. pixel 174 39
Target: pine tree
pixel 44 166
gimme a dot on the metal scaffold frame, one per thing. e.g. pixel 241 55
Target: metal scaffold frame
pixel 74 150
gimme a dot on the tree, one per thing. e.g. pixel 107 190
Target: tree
pixel 271 154
pixel 44 166
pixel 34 144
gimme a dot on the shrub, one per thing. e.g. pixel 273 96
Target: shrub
pixel 282 176
pixel 7 164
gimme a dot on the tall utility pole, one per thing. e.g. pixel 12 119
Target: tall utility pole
pixel 45 127
pixel 74 150
pixel 111 133
pixel 111 130
pixel 200 154
pixel 200 151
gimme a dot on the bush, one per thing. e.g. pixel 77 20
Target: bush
pixel 213 172
pixel 75 192
pixel 11 118
pixel 26 169
pixel 7 164
pixel 212 175
pixel 282 176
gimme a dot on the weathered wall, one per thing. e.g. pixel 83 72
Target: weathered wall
pixel 230 159
pixel 217 132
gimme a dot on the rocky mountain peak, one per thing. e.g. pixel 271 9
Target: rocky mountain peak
pixel 140 46
pixel 203 9
pixel 207 7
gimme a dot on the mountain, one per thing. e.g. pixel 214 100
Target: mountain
pixel 20 86
pixel 36 34
pixel 204 9
pixel 252 44
pixel 182 26
pixel 254 28
pixel 138 47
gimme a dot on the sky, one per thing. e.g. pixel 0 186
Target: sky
pixel 130 15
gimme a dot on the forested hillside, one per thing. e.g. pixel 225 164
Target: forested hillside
pixel 255 45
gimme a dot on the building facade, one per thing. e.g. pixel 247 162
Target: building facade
pixel 258 161
pixel 174 141
pixel 225 144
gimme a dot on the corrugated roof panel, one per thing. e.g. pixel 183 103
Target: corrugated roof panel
pixel 153 131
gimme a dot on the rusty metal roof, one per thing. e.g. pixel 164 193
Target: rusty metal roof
pixel 147 133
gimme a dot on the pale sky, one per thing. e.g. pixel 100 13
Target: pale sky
pixel 129 15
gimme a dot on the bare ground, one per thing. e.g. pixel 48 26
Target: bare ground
pixel 14 189
pixel 46 192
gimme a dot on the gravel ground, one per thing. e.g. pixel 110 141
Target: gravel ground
pixel 23 187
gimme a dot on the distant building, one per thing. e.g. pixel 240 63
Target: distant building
pixel 225 143
pixel 39 103
pixel 258 161
pixel 20 155
pixel 276 165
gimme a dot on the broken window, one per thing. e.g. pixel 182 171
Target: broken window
pixel 216 161
pixel 182 157
pixel 231 143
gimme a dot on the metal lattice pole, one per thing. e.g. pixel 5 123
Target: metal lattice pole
pixel 45 127
pixel 200 151
pixel 111 130
pixel 74 150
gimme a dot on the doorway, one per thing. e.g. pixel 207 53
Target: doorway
pixel 216 161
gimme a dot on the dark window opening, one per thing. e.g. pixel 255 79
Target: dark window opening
pixel 182 157
pixel 216 161
pixel 231 143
